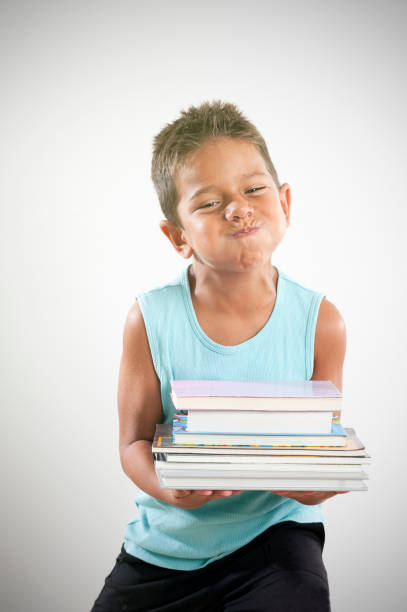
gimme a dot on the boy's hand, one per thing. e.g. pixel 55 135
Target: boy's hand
pixel 189 500
pixel 309 498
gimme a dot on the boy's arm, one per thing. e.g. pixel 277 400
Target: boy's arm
pixel 329 355
pixel 139 404
pixel 140 409
pixel 330 345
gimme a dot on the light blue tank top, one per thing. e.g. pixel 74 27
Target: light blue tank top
pixel 283 349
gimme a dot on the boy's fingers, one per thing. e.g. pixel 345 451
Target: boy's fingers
pixel 226 493
pixel 205 492
pixel 181 492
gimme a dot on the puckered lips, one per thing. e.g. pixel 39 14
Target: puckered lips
pixel 247 230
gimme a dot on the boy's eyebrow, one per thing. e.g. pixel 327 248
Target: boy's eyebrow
pixel 210 187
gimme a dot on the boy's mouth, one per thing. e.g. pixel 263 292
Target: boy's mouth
pixel 245 231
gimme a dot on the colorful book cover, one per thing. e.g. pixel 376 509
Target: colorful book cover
pixel 164 443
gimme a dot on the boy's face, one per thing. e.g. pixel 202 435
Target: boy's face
pixel 233 215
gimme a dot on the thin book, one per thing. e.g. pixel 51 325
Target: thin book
pixel 259 484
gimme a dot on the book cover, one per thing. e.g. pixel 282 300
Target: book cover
pixel 240 388
pixel 163 443
pixel 300 395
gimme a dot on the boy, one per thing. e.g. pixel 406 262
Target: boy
pixel 230 315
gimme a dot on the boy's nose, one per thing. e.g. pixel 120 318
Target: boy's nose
pixel 239 208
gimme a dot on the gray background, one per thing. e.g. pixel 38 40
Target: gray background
pixel 85 86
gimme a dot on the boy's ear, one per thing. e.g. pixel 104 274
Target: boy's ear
pixel 285 200
pixel 176 236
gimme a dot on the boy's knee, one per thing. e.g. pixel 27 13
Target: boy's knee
pixel 303 591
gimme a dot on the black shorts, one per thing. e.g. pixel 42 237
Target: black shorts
pixel 281 570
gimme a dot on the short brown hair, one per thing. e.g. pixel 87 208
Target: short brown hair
pixel 181 138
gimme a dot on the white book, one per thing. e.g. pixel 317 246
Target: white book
pixel 235 476
pixel 318 477
pixel 259 467
pixel 262 484
pixel 241 421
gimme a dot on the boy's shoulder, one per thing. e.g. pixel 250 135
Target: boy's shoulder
pixel 329 315
pixel 290 290
pixel 294 284
pixel 172 285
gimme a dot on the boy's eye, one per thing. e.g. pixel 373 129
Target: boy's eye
pixel 254 189
pixel 212 204
pixel 208 205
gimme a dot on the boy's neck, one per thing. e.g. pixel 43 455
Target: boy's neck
pixel 223 291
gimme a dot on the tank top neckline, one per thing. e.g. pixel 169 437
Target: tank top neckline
pixel 223 348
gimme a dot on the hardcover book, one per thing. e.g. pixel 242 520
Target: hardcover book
pixel 297 395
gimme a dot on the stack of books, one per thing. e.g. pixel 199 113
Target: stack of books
pixel 240 435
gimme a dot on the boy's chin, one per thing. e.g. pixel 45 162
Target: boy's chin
pixel 248 262
pixel 252 260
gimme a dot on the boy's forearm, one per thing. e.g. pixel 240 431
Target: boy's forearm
pixel 138 463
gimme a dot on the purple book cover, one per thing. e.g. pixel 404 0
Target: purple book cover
pixel 241 388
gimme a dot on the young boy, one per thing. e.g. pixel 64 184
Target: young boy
pixel 230 315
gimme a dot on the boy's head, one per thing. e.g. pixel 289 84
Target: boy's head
pixel 179 140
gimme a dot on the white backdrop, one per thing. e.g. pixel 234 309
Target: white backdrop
pixel 85 87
